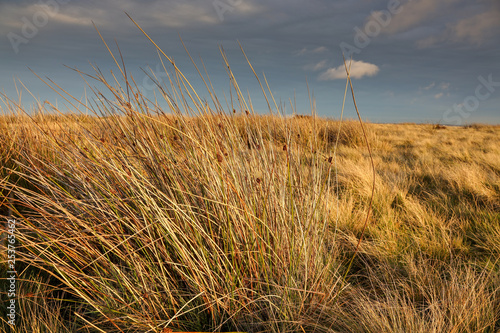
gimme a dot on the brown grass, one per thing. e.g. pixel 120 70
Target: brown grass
pixel 427 263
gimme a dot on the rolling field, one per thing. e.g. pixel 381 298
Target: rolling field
pixel 136 222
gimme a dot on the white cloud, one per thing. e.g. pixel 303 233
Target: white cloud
pixel 430 86
pixel 316 66
pixel 438 96
pixel 415 12
pixel 110 13
pixel 181 14
pixel 358 70
pixel 444 85
pixel 475 30
pixel 305 50
pixel 10 16
pixel 15 16
pixel 301 52
pixel 72 19
pixel 319 49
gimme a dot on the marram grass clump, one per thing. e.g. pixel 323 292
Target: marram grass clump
pixel 193 230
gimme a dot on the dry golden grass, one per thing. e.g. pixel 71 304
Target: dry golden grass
pixel 86 185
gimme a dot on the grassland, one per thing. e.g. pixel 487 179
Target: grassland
pixel 210 218
pixel 247 222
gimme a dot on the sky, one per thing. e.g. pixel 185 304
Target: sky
pixel 422 61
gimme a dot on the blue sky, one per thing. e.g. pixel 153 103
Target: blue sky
pixel 414 60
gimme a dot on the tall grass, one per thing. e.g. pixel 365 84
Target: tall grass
pixel 198 218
